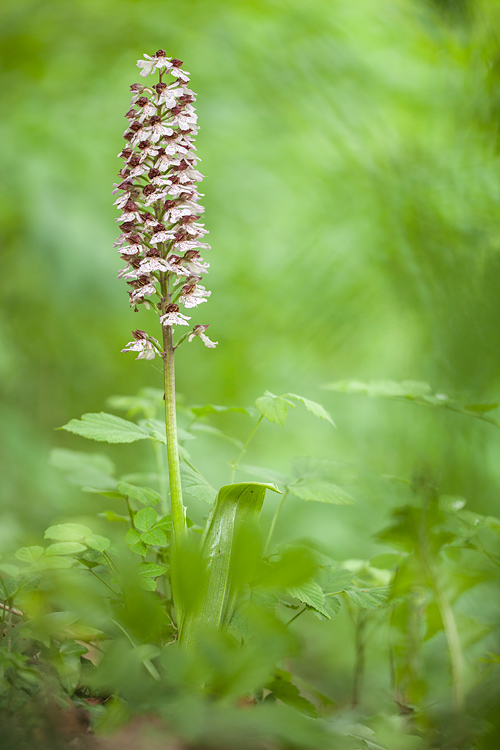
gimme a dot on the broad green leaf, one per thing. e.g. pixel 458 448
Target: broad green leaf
pixel 9 570
pixel 267 474
pixel 134 541
pixel 321 492
pixel 193 483
pixel 236 507
pixel 143 495
pixel 104 492
pixel 81 469
pixel 156 430
pixel 98 542
pixel 30 554
pixel 203 411
pixel 68 532
pixel 274 408
pixel 145 519
pixel 165 523
pixel 55 562
pixel 294 567
pixel 384 388
pixel 386 560
pixel 311 406
pixel 369 598
pixel 309 593
pixel 64 548
pixel 151 569
pixel 106 428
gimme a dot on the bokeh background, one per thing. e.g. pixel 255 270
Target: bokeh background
pixel 351 154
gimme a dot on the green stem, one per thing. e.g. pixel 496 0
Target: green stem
pixel 273 522
pixel 162 476
pixel 295 616
pixel 236 463
pixel 453 640
pixel 359 666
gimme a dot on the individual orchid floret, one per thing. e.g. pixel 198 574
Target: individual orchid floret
pixel 172 316
pixel 147 346
pixel 193 295
pixel 199 331
pixel 155 62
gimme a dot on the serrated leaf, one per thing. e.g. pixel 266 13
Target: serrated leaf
pixel 98 542
pixel 145 519
pixel 274 408
pixel 193 483
pixel 311 594
pixel 30 554
pixel 288 693
pixel 263 473
pixel 64 548
pixel 151 570
pixel 143 495
pixel 321 492
pixel 68 532
pixel 155 537
pixel 165 523
pixel 106 428
pixel 134 541
pixel 312 406
pixel 369 598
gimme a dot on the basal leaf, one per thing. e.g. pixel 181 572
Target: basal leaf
pixel 311 406
pixel 274 408
pixel 321 492
pixel 145 519
pixel 68 532
pixel 106 428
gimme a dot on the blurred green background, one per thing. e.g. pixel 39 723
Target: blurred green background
pixel 351 154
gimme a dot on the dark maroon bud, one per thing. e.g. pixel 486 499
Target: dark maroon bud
pixel 144 144
pixel 172 307
pixel 161 53
pixel 136 126
pixel 141 101
pixel 191 254
pixel 159 87
pixel 136 87
pixel 174 179
pixel 153 253
pixel 182 166
pixel 134 161
pixel 159 228
pixel 176 63
pixel 148 189
pixel 147 216
pixel 154 173
pixel 129 135
pixel 175 110
pixel 131 114
pixel 154 119
pixel 186 99
pixel 130 206
pixel 127 226
pixel 126 153
pixel 188 288
pixel 135 239
pixel 169 204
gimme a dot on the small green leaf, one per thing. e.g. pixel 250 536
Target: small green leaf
pixel 155 537
pixel 106 428
pixel 151 570
pixel 321 492
pixel 311 594
pixel 311 406
pixel 209 429
pixel 274 408
pixel 68 532
pixel 143 495
pixel 193 483
pixel 288 693
pixel 64 548
pixel 134 541
pixel 145 519
pixel 97 542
